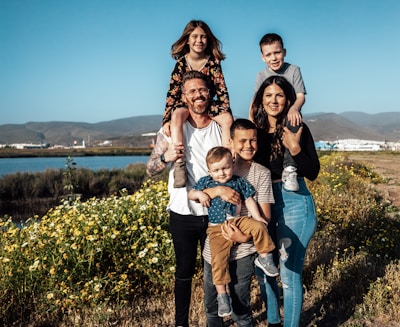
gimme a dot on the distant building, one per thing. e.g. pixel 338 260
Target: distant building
pixel 324 146
pixel 26 146
pixel 356 145
pixel 105 143
pixel 82 146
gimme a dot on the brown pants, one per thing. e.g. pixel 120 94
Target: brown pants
pixel 220 247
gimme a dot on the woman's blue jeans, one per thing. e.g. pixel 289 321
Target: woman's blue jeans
pixel 295 220
pixel 187 233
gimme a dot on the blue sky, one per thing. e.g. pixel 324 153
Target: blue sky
pixel 99 60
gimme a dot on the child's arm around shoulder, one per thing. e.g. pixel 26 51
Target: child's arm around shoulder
pixel 294 115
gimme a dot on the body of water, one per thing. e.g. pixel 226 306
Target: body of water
pixel 13 165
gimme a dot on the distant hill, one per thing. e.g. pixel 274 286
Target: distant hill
pixel 357 125
pixel 127 131
pixel 66 133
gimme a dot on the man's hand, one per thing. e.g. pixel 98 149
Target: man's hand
pixel 226 193
pixel 232 233
pixel 174 152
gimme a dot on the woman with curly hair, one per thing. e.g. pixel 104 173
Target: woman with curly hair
pixel 293 218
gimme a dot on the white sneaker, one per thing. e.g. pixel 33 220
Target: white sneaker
pixel 289 179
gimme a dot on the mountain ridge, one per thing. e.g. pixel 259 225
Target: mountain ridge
pixel 128 131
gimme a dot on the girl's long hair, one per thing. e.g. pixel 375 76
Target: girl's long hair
pixel 181 48
pixel 261 117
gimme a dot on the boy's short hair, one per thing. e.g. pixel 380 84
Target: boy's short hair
pixel 241 123
pixel 216 154
pixel 271 38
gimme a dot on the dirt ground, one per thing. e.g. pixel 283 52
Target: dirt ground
pixel 387 165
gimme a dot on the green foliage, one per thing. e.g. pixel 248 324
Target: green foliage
pixel 87 254
pixel 55 183
pixel 37 192
pixel 97 253
pixel 69 179
pixel 355 240
pixel 349 209
pixel 383 298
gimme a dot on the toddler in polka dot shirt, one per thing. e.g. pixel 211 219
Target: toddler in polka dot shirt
pixel 220 167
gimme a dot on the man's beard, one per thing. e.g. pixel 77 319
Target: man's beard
pixel 199 108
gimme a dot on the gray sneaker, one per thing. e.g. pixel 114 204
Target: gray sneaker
pixel 267 265
pixel 289 179
pixel 224 305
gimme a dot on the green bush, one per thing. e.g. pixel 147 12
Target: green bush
pixel 87 254
pixel 23 195
pixel 103 253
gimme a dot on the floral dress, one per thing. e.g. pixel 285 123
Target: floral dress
pixel 218 90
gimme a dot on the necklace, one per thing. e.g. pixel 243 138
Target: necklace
pixel 199 64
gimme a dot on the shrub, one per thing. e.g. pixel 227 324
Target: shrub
pixel 23 195
pixel 87 254
pixel 89 257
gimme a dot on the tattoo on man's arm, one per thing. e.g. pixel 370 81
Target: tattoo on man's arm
pixel 154 164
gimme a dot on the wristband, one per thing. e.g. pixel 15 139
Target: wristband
pixel 162 158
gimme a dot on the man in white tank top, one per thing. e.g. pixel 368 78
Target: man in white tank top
pixel 188 219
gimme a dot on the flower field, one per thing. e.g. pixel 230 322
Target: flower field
pixel 108 259
pixel 86 254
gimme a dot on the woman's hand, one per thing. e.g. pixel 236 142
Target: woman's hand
pixel 232 233
pixel 291 140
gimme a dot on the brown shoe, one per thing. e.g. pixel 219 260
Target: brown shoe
pixel 179 174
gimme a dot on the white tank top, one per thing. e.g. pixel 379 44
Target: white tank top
pixel 197 142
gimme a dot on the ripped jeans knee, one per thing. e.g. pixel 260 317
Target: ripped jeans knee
pixel 284 243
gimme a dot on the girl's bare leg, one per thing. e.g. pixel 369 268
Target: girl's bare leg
pixel 178 117
pixel 225 120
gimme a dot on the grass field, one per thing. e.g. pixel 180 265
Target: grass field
pixel 110 262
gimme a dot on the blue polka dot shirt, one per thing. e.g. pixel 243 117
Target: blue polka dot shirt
pixel 219 209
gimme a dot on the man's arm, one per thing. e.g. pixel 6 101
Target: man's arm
pixel 265 210
pixel 163 153
pixel 154 164
pixel 226 193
